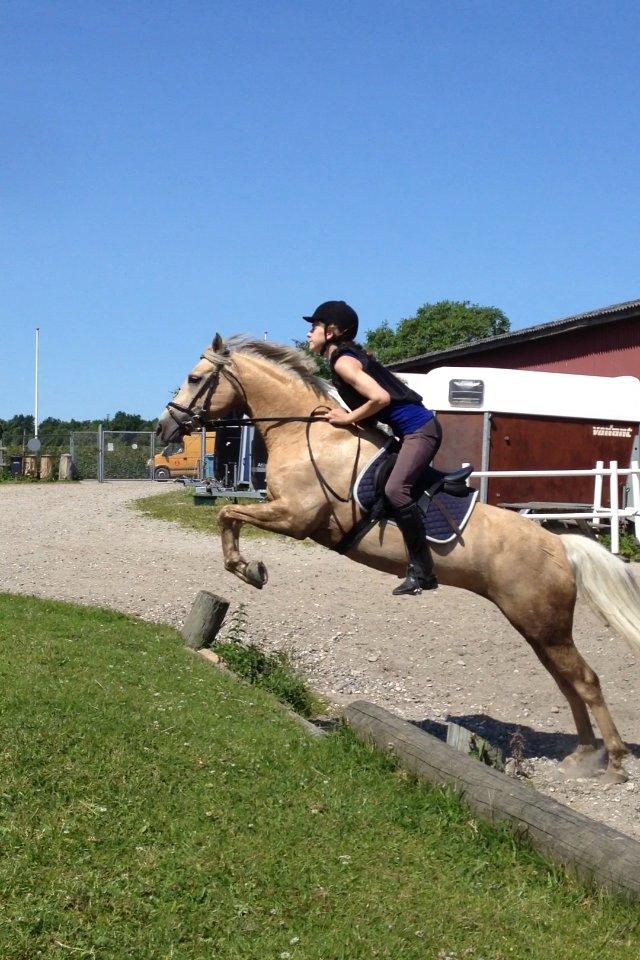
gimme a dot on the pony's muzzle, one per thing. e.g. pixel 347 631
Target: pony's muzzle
pixel 171 428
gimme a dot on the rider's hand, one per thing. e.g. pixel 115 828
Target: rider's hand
pixel 339 417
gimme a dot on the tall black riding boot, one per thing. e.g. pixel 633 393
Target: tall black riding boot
pixel 420 574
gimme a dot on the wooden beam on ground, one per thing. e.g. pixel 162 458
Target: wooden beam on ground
pixel 590 849
pixel 204 621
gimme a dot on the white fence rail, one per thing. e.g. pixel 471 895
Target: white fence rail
pixel 614 513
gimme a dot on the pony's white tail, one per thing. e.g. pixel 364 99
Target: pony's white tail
pixel 608 584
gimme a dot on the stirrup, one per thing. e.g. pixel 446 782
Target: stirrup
pixel 413 585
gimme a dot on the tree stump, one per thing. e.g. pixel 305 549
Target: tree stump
pixel 65 470
pixel 204 621
pixel 46 466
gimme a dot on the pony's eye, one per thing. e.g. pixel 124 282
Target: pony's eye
pixel 194 379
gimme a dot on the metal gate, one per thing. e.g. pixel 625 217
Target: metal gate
pixel 125 454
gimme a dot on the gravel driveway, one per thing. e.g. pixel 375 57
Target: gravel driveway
pixel 446 654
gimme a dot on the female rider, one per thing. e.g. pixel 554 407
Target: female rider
pixel 374 393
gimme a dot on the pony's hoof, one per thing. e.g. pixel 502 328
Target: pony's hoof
pixel 614 775
pixel 586 761
pixel 256 574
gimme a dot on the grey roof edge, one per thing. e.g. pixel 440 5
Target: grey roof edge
pixel 617 311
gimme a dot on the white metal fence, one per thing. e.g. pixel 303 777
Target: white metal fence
pixel 614 513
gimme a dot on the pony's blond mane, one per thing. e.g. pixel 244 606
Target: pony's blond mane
pixel 289 358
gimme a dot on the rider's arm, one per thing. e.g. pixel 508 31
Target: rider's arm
pixel 350 370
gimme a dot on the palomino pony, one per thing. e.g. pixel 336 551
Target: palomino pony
pixel 532 575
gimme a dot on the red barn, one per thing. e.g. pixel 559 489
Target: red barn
pixel 603 342
pixel 509 436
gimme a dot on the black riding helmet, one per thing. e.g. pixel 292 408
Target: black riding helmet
pixel 339 314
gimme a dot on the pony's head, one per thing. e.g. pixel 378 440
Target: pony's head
pixel 207 393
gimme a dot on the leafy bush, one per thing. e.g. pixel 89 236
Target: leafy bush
pixel 629 546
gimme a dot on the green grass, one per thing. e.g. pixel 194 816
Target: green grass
pixel 273 672
pixel 6 477
pixel 152 807
pixel 178 507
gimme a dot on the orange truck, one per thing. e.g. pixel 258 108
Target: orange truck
pixel 182 459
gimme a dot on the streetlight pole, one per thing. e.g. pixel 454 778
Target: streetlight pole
pixel 36 392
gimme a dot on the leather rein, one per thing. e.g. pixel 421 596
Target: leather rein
pixel 196 417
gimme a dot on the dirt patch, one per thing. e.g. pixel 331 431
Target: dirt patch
pixel 445 654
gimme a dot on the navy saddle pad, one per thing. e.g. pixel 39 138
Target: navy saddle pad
pixel 444 515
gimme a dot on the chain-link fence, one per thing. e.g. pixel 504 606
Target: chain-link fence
pixel 84 448
pixel 96 454
pixel 16 459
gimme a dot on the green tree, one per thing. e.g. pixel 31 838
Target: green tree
pixel 53 427
pixel 21 422
pixel 127 421
pixel 436 326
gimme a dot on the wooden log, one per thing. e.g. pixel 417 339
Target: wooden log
pixel 591 850
pixel 204 621
pixel 209 656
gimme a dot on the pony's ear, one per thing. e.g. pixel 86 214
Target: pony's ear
pixel 217 344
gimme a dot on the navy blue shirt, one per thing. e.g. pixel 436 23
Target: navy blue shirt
pixel 404 418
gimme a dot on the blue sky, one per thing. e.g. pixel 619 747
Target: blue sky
pixel 170 169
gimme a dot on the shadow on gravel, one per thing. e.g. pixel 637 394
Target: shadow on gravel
pixel 537 743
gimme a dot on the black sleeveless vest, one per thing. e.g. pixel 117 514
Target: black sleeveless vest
pixel 397 390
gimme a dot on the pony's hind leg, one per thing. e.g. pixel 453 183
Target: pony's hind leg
pixel 580 685
pixel 586 760
pixel 541 606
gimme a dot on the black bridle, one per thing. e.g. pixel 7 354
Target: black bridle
pixel 196 417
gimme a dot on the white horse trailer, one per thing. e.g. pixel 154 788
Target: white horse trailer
pixel 516 420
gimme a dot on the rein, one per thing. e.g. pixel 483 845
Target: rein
pixel 324 484
pixel 242 421
pixel 197 418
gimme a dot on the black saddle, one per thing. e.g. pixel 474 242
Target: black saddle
pixel 445 500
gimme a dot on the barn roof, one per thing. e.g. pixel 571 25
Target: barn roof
pixel 617 311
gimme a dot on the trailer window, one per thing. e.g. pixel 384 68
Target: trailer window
pixel 466 393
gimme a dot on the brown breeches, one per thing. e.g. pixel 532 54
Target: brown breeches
pixel 416 453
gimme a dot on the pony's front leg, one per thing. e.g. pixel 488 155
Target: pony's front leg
pixel 275 515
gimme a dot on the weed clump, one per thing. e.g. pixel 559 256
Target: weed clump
pixel 274 672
